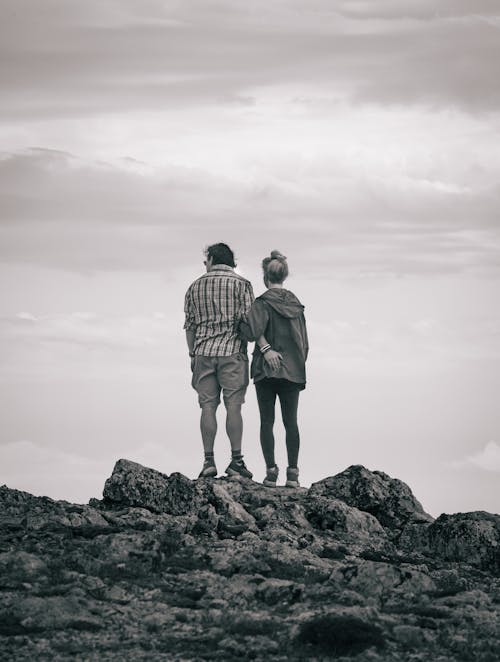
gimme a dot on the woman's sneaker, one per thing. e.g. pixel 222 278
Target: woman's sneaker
pixel 238 468
pixel 271 476
pixel 209 469
pixel 292 477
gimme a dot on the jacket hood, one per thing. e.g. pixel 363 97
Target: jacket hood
pixel 284 302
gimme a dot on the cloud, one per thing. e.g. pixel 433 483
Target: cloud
pixel 89 348
pixel 71 475
pixel 426 10
pixel 65 188
pixel 51 472
pixel 89 330
pixel 80 215
pixel 388 343
pixel 67 60
pixel 443 65
pixel 488 459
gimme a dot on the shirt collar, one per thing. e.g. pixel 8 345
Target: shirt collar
pixel 221 267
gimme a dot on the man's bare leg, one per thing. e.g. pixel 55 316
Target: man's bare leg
pixel 208 427
pixel 234 427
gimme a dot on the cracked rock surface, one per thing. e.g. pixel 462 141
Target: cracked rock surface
pixel 168 568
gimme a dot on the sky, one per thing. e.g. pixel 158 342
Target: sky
pixel 359 138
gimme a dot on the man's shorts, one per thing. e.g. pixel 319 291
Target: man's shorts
pixel 211 374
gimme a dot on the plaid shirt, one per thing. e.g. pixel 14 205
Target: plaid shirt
pixel 214 305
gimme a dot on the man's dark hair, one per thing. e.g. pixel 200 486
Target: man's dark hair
pixel 221 254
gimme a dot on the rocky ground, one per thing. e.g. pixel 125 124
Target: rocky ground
pixel 167 568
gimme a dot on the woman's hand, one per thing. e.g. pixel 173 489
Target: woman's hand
pixel 273 359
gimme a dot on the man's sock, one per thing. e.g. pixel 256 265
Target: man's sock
pixel 236 456
pixel 209 457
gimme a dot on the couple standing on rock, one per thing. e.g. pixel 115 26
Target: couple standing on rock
pixel 221 316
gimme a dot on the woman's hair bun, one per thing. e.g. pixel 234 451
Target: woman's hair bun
pixel 276 255
pixel 275 267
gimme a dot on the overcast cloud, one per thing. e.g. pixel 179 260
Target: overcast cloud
pixel 62 58
pixel 62 211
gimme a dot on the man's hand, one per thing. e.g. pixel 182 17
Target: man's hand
pixel 273 359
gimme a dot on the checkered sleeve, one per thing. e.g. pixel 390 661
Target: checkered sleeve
pixel 246 300
pixel 189 322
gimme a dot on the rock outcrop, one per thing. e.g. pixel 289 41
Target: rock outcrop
pixel 168 568
pixel 389 500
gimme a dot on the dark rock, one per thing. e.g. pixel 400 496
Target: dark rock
pixel 449 582
pixel 339 634
pixel 334 515
pixel 17 567
pixel 44 514
pixel 35 614
pixel 134 485
pixel 273 591
pixel 168 568
pixel 232 515
pixel 369 578
pixel 389 500
pixel 472 538
pixel 411 636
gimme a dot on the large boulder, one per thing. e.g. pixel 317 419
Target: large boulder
pixel 346 632
pixel 37 614
pixel 131 484
pixel 378 579
pixel 472 538
pixel 232 515
pixel 350 524
pixel 388 499
pixel 20 511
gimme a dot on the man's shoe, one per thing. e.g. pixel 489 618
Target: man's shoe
pixel 209 469
pixel 271 476
pixel 292 477
pixel 238 468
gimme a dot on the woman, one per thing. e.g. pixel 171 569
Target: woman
pixel 276 322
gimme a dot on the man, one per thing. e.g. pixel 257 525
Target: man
pixel 214 306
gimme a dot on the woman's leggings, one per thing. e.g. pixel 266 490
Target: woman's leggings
pixel 288 392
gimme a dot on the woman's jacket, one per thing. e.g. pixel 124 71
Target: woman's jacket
pixel 279 316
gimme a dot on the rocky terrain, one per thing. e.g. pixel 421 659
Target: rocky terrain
pixel 167 568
